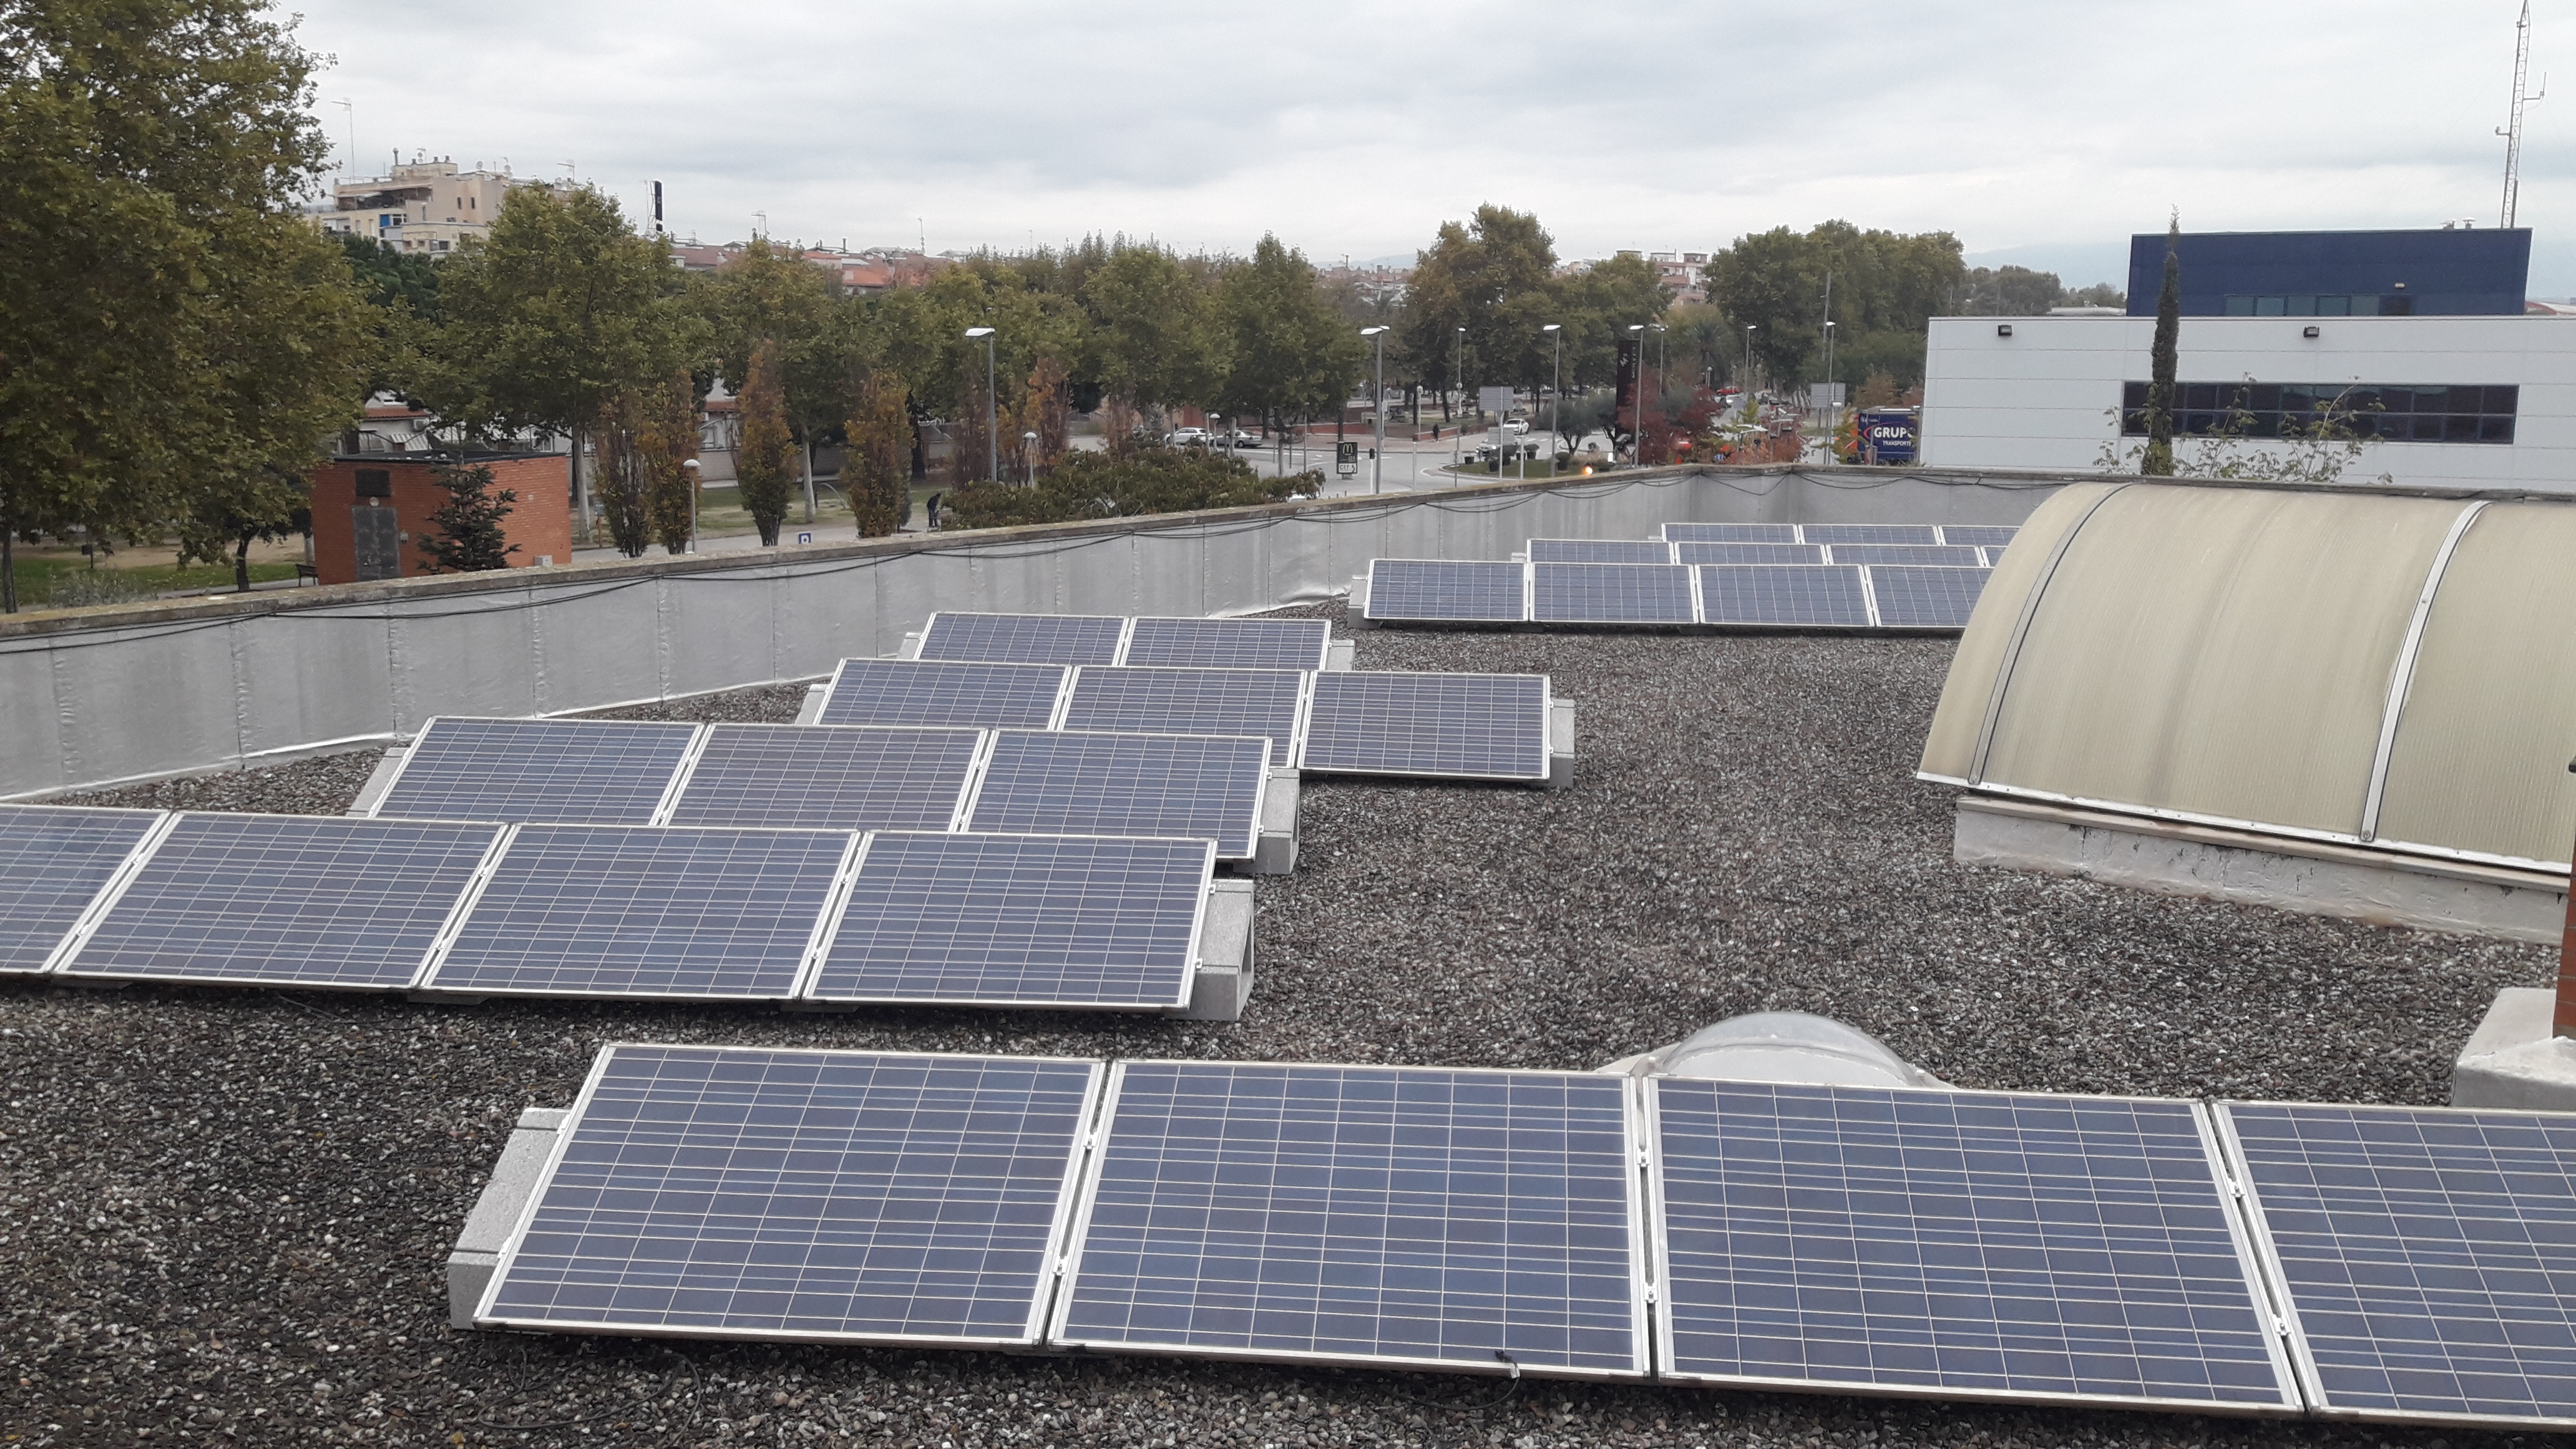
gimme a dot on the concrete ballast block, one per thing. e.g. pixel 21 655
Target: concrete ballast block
pixel 1560 743
pixel 1274 851
pixel 497 1212
pixel 1338 654
pixel 1355 611
pixel 811 710
pixel 1222 984
pixel 373 792
pixel 2514 1059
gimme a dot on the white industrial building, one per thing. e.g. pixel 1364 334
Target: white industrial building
pixel 2458 401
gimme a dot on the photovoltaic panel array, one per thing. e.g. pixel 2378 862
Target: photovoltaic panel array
pixel 1611 593
pixel 1977 535
pixel 1201 786
pixel 1467 726
pixel 1393 1215
pixel 1023 638
pixel 1916 533
pixel 1730 533
pixel 917 692
pixel 1750 553
pixel 2429 1255
pixel 1440 589
pixel 1599 550
pixel 1956 1244
pixel 1907 553
pixel 1264 702
pixel 588 771
pixel 1035 920
pixel 827 777
pixel 54 860
pixel 1931 598
pixel 682 912
pixel 1797 595
pixel 1229 643
pixel 287 900
pixel 831 1196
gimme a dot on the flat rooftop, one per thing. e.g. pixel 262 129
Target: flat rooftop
pixel 231 1208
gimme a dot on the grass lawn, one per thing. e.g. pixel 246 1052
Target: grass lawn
pixel 41 575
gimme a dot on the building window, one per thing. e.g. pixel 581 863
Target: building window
pixel 2313 305
pixel 2394 413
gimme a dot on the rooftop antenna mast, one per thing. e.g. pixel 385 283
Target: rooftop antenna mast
pixel 2512 131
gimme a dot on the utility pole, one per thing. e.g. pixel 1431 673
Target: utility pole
pixel 1377 457
pixel 2512 131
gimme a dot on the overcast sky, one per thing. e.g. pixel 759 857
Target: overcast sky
pixel 2042 134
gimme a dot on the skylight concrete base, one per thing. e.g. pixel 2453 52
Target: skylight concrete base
pixel 1560 743
pixel 2317 878
pixel 2513 1060
pixel 1222 984
pixel 372 794
pixel 1274 851
pixel 497 1211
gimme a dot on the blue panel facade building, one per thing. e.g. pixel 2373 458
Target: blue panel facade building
pixel 2461 272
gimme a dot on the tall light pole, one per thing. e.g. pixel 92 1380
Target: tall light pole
pixel 690 468
pixel 1458 437
pixel 1747 381
pixel 1377 457
pixel 992 439
pixel 1638 438
pixel 1556 395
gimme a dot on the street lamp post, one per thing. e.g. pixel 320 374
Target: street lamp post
pixel 1459 381
pixel 690 467
pixel 992 423
pixel 1377 458
pixel 1638 438
pixel 1029 457
pixel 1555 398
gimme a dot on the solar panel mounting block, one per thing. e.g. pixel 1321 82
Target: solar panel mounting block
pixel 582 771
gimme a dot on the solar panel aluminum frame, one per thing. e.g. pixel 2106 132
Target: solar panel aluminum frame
pixel 2286 1307
pixel 1868 592
pixel 689 758
pixel 1547 735
pixel 1050 1271
pixel 975 768
pixel 1126 628
pixel 837 906
pixel 2259 1291
pixel 85 924
pixel 1640 1291
pixel 411 753
pixel 1260 787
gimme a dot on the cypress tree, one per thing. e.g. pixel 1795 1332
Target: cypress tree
pixel 2158 461
pixel 469 534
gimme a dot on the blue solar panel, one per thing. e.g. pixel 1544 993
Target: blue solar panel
pixel 2430 1255
pixel 1968 1243
pixel 610 910
pixel 1787 595
pixel 1906 553
pixel 1229 643
pixel 1926 598
pixel 1610 593
pixel 827 777
pixel 1404 1215
pixel 1731 533
pixel 579 771
pixel 1442 590
pixel 1026 920
pixel 1204 787
pixel 54 860
pixel 1978 535
pixel 1599 550
pixel 287 900
pixel 1919 533
pixel 971 696
pixel 1023 638
pixel 1263 702
pixel 864 1197
pixel 1750 553
pixel 1468 726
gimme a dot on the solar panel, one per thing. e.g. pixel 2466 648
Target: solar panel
pixel 969 696
pixel 1919 533
pixel 1204 787
pixel 1750 553
pixel 1955 1243
pixel 1933 598
pixel 580 771
pixel 1023 638
pixel 1731 532
pixel 1977 535
pixel 2428 1255
pixel 1471 726
pixel 1264 702
pixel 827 777
pixel 1383 1215
pixel 1019 920
pixel 1954 557
pixel 1790 594
pixel 1445 590
pixel 54 860
pixel 611 910
pixel 858 1197
pixel 1599 550
pixel 1611 593
pixel 287 900
pixel 1229 643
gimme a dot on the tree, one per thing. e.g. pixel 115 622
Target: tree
pixel 1151 479
pixel 1883 282
pixel 469 537
pixel 152 149
pixel 2163 361
pixel 1154 337
pixel 774 295
pixel 666 437
pixel 1293 356
pixel 877 477
pixel 626 477
pixel 761 459
pixel 401 289
pixel 1490 275
pixel 2008 292
pixel 562 308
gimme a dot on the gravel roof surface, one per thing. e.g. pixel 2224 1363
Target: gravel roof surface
pixel 224 1213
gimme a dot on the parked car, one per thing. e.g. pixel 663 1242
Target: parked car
pixel 1516 426
pixel 1188 438
pixel 1241 439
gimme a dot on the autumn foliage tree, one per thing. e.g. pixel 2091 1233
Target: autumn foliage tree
pixel 877 475
pixel 764 459
pixel 666 437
